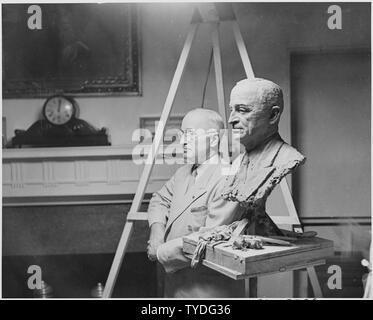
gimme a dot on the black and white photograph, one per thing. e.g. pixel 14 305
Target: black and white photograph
pixel 186 150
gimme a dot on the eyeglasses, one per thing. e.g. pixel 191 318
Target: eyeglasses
pixel 188 134
pixel 192 134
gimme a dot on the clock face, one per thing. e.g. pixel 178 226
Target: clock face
pixel 59 110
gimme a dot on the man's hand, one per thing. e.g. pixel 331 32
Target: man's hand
pixel 156 238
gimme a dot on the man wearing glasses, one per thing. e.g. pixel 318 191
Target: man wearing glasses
pixel 191 200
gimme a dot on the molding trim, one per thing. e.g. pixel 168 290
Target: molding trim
pixel 336 221
pixel 74 175
pixel 73 200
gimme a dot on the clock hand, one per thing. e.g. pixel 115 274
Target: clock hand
pixel 59 105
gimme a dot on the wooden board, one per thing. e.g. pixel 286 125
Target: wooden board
pixel 239 264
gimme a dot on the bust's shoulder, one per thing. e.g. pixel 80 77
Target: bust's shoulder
pixel 287 154
pixel 275 152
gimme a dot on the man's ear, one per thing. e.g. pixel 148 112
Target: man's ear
pixel 275 115
pixel 214 140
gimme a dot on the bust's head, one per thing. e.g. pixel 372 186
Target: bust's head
pixel 256 106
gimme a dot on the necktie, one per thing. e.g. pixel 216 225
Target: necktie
pixel 192 179
pixel 194 170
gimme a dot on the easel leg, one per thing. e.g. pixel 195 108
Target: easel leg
pixel 314 282
pixel 251 287
pixel 300 283
pixel 242 50
pixel 164 117
pixel 218 71
pixel 220 86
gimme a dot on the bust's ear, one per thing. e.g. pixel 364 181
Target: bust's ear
pixel 275 115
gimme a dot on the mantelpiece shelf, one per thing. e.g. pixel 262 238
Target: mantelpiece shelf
pixel 73 175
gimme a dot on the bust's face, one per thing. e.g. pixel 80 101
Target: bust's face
pixel 249 117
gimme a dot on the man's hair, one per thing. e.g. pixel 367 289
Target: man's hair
pixel 270 93
pixel 215 120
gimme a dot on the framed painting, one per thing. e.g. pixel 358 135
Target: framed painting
pixel 82 49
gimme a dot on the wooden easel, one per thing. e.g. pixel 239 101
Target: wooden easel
pixel 211 14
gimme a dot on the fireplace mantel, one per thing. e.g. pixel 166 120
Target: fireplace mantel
pixel 74 175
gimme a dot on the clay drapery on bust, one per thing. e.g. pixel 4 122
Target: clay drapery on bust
pixel 256 106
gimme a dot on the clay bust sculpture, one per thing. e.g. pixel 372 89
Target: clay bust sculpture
pixel 256 106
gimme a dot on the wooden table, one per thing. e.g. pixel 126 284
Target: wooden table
pixel 305 254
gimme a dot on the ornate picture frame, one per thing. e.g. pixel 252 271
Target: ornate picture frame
pixel 81 49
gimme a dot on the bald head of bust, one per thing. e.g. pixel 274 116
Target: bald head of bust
pixel 256 106
pixel 261 91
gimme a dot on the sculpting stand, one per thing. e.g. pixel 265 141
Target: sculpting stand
pixel 205 13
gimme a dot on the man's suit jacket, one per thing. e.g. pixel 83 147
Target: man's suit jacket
pixel 172 206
